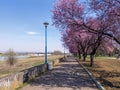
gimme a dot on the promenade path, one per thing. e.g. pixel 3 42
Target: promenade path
pixel 68 75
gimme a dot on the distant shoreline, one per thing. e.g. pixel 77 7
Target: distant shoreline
pixel 3 57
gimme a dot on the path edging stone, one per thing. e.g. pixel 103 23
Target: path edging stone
pixel 98 84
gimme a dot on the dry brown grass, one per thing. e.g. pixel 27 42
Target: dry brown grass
pixel 22 64
pixel 107 71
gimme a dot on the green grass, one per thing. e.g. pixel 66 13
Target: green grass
pixel 102 57
pixel 105 58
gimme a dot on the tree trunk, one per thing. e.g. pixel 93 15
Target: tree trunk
pixel 79 55
pixel 75 54
pixel 84 57
pixel 91 60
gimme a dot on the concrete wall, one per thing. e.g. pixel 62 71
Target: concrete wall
pixel 15 80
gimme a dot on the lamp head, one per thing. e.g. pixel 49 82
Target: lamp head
pixel 46 24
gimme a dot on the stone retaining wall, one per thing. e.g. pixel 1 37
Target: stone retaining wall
pixel 15 80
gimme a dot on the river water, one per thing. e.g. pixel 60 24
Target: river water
pixel 21 56
pixel 18 57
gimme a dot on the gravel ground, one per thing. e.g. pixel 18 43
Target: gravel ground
pixel 68 75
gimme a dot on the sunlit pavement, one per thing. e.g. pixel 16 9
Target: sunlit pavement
pixel 68 75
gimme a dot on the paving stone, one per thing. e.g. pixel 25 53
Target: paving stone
pixel 68 75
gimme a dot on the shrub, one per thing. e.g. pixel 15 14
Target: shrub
pixel 10 57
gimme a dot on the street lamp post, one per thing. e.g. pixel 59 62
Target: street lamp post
pixel 46 24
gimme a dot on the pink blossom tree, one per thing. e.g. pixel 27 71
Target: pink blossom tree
pixel 71 43
pixel 79 40
pixel 108 14
pixel 107 47
pixel 102 21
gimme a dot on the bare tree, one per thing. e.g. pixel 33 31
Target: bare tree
pixel 10 57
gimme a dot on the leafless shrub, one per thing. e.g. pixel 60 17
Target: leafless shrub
pixel 10 57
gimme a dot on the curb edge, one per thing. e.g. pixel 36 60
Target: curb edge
pixel 98 84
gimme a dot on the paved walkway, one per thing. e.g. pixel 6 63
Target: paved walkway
pixel 67 75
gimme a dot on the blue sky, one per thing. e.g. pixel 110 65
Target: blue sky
pixel 21 25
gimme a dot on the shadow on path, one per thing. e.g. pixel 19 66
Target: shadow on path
pixel 66 74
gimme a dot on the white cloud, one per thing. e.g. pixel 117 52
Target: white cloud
pixel 32 33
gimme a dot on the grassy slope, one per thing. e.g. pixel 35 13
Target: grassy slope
pixel 107 71
pixel 24 64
